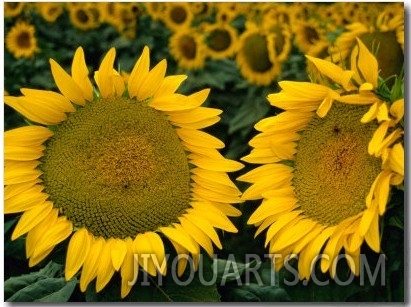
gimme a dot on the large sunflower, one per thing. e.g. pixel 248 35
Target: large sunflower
pixel 328 163
pixel 20 40
pixel 117 169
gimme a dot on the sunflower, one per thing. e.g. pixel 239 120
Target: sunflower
pixel 188 48
pixel 385 36
pixel 155 9
pixel 311 37
pixel 13 9
pixel 20 40
pixel 177 15
pixel 328 163
pixel 50 11
pixel 221 40
pixel 84 16
pixel 256 55
pixel 117 170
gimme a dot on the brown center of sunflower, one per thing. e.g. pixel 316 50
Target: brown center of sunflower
pixel 256 53
pixel 23 40
pixel 118 168
pixel 311 35
pixel 82 16
pixel 219 40
pixel 178 14
pixel 333 170
pixel 188 46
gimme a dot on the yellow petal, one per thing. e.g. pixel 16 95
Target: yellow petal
pixel 197 234
pixel 281 222
pixel 37 232
pixel 397 109
pixel 169 85
pixel 151 254
pixel 212 164
pixel 310 91
pixel 19 153
pixel 27 136
pixel 173 102
pixel 91 263
pixel 56 100
pixel 30 219
pixel 77 252
pixel 27 200
pixel 14 189
pixel 396 161
pixel 67 86
pixel 152 82
pixel 217 219
pixel 212 195
pixel 104 78
pixel 334 72
pixel 193 116
pixel 367 64
pixel 371 113
pixel 180 237
pixel 53 236
pixel 139 73
pixel 293 234
pixel 199 138
pixel 372 237
pixel 311 251
pixel 382 190
pixel 205 226
pixel 377 138
pixel 118 252
pixel 366 221
pixel 182 256
pixel 105 269
pixel 80 73
pixel 324 107
pixel 272 207
pixel 38 111
pixel 16 172
pixel 129 268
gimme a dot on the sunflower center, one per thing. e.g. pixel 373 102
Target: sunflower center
pixel 23 40
pixel 118 168
pixel 82 16
pixel 178 14
pixel 256 52
pixel 188 47
pixel 333 170
pixel 219 40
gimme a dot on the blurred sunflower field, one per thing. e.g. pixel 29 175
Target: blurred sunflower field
pixel 254 152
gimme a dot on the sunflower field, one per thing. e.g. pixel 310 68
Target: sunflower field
pixel 203 152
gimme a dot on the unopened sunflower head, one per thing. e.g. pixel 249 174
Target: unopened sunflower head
pixel 116 169
pixel 328 164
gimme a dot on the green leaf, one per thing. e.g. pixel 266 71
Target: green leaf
pixel 62 295
pixel 41 285
pixel 229 270
pixel 45 290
